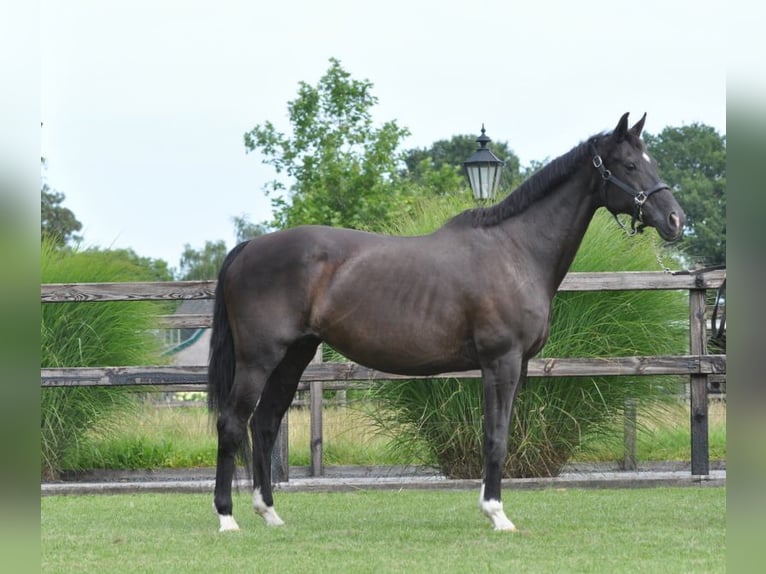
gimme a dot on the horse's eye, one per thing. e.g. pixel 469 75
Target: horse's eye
pixel 631 166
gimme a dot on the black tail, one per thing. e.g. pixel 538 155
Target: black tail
pixel 220 371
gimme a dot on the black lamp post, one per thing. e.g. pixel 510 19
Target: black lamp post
pixel 483 170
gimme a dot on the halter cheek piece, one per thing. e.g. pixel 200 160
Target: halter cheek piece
pixel 639 196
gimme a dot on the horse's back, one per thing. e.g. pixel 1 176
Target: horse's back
pixel 290 263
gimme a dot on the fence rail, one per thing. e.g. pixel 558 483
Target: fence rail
pixel 169 377
pixel 699 366
pixel 180 290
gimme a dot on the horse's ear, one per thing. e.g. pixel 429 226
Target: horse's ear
pixel 639 126
pixel 622 127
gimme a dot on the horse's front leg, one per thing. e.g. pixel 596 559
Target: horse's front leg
pixel 275 400
pixel 265 426
pixel 502 380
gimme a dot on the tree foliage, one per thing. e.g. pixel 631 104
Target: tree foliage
pixel 58 227
pixel 693 160
pixel 202 264
pixel 342 169
pixel 151 269
pixel 56 221
pixel 438 168
pixel 245 229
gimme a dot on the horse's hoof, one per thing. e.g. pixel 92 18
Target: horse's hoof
pixel 268 513
pixel 228 524
pixel 493 509
pixel 273 520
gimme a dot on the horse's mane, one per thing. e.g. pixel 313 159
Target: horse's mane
pixel 532 189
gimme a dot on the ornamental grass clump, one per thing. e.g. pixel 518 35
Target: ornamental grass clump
pixel 88 335
pixel 555 417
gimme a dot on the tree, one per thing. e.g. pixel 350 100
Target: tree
pixel 693 160
pixel 201 265
pixel 56 221
pixel 438 168
pixel 245 229
pixel 342 170
pixel 151 269
pixel 533 166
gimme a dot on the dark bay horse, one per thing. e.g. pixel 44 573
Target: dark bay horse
pixel 475 294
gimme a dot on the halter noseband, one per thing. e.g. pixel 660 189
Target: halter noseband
pixel 639 196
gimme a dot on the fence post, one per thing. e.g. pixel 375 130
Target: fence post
pixel 316 391
pixel 629 459
pixel 698 401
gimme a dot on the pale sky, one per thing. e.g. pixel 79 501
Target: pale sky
pixel 144 103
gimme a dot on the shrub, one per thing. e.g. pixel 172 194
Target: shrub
pixel 88 335
pixel 553 417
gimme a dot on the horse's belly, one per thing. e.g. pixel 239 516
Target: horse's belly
pixel 409 365
pixel 395 311
pixel 413 353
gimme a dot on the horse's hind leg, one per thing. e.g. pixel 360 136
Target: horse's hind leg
pixel 232 432
pixel 275 400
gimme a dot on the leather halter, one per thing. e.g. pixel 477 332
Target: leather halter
pixel 639 195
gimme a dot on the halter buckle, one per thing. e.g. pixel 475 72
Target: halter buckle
pixel 640 198
pixel 597 161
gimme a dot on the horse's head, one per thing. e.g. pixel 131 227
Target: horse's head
pixel 630 183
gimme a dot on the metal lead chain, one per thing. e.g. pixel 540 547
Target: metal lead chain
pixel 664 267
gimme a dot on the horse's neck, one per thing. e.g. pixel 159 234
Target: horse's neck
pixel 554 227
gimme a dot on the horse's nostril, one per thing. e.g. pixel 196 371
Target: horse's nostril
pixel 675 221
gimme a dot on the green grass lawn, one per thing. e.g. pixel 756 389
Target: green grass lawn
pixel 561 530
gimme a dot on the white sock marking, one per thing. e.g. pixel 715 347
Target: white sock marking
pixel 227 523
pixel 493 509
pixel 226 520
pixel 267 512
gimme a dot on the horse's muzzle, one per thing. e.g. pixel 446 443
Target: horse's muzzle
pixel 674 226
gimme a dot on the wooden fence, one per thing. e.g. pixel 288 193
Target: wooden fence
pixel 698 365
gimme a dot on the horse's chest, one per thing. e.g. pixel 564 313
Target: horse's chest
pixel 523 325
